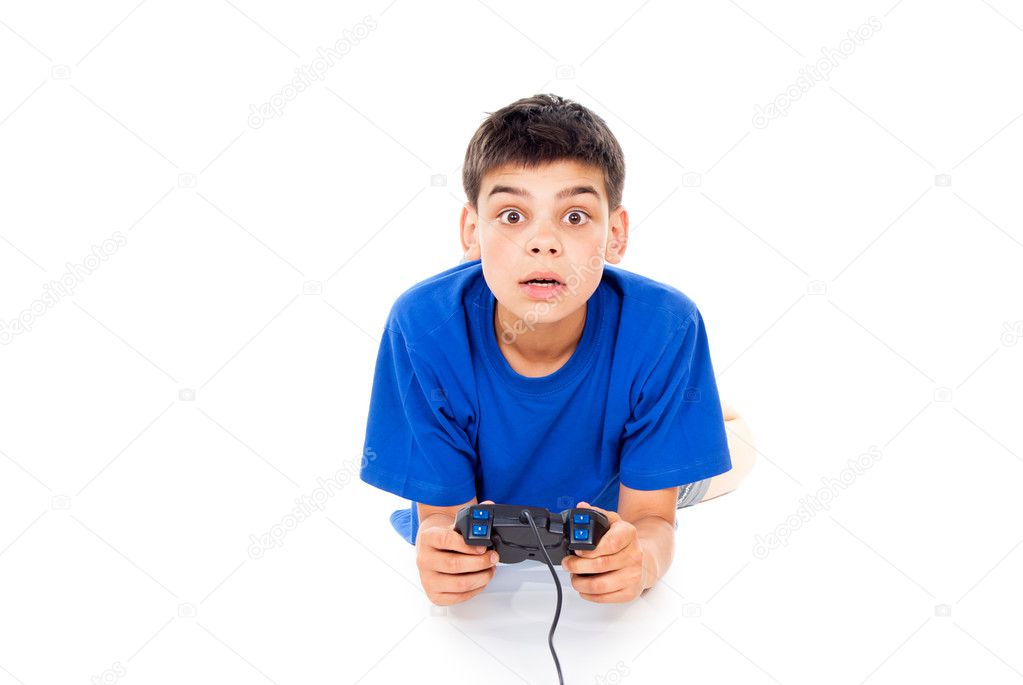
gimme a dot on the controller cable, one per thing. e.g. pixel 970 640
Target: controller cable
pixel 557 584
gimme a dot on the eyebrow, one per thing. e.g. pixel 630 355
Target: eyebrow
pixel 562 194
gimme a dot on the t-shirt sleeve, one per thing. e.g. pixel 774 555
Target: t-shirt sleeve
pixel 414 446
pixel 676 433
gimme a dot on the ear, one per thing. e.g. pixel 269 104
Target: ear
pixel 468 232
pixel 618 235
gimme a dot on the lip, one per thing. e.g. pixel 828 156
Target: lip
pixel 542 292
pixel 547 275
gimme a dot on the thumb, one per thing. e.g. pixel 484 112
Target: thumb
pixel 486 501
pixel 612 516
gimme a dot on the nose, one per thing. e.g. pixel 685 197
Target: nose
pixel 544 241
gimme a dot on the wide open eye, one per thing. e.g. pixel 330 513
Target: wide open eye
pixel 579 216
pixel 511 213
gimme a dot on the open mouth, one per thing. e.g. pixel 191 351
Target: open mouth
pixel 543 279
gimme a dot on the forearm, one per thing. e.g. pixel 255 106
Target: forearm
pixel 657 540
pixel 432 521
pixel 437 520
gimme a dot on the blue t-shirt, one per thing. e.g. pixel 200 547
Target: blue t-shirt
pixel 449 419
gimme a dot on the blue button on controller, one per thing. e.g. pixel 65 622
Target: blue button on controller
pixel 581 518
pixel 479 529
pixel 582 534
pixel 480 513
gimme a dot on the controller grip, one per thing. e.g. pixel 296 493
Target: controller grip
pixel 506 529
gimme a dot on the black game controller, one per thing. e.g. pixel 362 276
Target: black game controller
pixel 505 528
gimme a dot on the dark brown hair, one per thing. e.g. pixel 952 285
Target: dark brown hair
pixel 539 130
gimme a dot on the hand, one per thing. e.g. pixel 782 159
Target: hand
pixel 613 572
pixel 450 570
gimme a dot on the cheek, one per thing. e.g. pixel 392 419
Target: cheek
pixel 592 250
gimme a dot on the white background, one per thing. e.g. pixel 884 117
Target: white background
pixel 854 301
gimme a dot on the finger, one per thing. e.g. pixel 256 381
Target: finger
pixel 453 541
pixel 599 564
pixel 610 597
pixel 456 562
pixel 617 538
pixel 449 598
pixel 611 516
pixel 604 583
pixel 459 582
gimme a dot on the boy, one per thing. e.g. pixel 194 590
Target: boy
pixel 533 373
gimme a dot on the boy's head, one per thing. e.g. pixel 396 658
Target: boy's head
pixel 544 178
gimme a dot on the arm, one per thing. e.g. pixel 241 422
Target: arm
pixel 652 512
pixel 634 553
pixel 430 516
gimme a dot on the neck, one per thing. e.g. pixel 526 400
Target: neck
pixel 538 343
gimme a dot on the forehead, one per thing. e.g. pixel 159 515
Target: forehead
pixel 546 180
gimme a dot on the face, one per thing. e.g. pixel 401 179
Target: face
pixel 552 219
